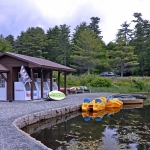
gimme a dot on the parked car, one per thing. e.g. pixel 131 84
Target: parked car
pixel 108 74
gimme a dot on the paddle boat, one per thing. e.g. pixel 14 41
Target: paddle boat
pixel 94 105
pixel 85 104
pixel 97 105
pixel 104 99
pixel 114 102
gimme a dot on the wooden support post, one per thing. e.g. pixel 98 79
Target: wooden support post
pixel 42 83
pixel 51 81
pixel 65 85
pixel 10 91
pixel 59 81
pixel 32 83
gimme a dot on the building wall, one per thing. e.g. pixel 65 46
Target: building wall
pixel 13 65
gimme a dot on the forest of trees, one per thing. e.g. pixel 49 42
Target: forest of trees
pixel 85 50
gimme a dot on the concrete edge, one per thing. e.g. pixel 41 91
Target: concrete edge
pixel 42 115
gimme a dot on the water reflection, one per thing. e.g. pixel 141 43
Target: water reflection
pixel 98 116
pixel 128 128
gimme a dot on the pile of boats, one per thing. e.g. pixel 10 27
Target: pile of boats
pixel 99 104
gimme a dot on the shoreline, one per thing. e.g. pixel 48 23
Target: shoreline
pixel 14 115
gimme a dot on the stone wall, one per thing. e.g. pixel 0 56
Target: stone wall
pixel 43 115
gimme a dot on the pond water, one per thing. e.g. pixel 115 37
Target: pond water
pixel 128 128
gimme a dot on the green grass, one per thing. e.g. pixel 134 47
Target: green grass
pixel 115 89
pixel 114 84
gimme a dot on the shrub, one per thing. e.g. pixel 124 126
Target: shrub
pixel 73 81
pixel 138 84
pixel 100 82
pixel 86 79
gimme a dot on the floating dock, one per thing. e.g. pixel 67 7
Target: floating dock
pixel 131 101
pixel 131 106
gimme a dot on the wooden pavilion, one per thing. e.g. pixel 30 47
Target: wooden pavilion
pixel 10 64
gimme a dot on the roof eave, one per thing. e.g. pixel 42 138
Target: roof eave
pixel 4 71
pixel 36 65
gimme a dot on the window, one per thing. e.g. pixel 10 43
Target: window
pixel 2 82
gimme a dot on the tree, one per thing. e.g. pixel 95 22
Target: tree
pixel 141 41
pixel 53 44
pixel 94 26
pixel 123 57
pixel 126 32
pixel 87 50
pixel 4 45
pixel 32 42
pixel 64 44
pixel 58 44
pixel 10 39
pixel 111 46
pixel 79 28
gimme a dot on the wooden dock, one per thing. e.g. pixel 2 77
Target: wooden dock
pixel 131 101
pixel 137 96
pixel 131 106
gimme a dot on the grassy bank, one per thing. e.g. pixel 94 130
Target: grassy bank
pixel 109 84
pixel 122 85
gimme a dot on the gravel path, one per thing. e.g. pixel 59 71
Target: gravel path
pixel 11 138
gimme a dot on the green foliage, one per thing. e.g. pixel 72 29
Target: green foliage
pixel 100 82
pixel 122 82
pixel 58 44
pixel 138 84
pixel 11 41
pixel 122 55
pixel 87 51
pixel 113 89
pixel 141 41
pixel 73 81
pixel 109 84
pixel 94 25
pixel 32 43
pixel 4 45
pixel 85 79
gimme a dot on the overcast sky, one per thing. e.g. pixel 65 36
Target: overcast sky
pixel 18 15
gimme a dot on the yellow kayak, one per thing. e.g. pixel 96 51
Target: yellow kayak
pixel 114 103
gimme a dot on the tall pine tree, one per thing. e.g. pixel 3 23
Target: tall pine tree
pixel 87 51
pixel 122 56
